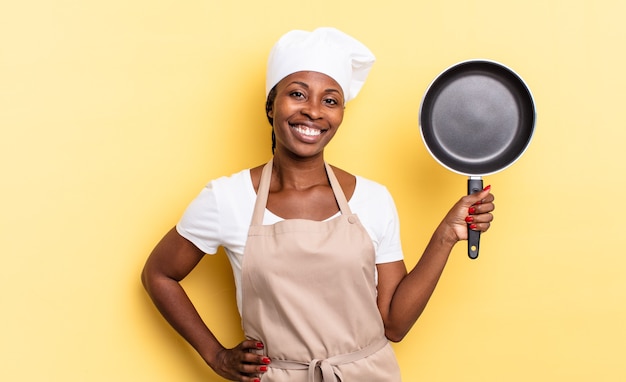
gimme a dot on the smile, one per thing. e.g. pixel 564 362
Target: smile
pixel 305 130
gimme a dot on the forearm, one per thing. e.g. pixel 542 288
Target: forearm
pixel 176 307
pixel 416 288
pixel 404 296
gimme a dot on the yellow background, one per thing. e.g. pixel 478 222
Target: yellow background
pixel 114 114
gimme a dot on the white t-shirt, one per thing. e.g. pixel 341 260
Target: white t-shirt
pixel 221 214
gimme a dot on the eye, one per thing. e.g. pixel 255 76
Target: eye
pixel 331 101
pixel 296 94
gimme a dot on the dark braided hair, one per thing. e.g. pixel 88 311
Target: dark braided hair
pixel 269 104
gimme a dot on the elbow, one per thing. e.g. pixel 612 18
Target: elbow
pixel 396 331
pixel 146 278
pixel 395 335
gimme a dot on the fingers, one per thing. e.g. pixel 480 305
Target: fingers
pixel 479 215
pixel 471 211
pixel 252 363
pixel 244 362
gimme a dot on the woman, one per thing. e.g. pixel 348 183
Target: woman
pixel 321 282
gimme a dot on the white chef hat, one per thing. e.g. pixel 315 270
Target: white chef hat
pixel 325 50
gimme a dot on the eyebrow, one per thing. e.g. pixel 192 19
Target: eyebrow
pixel 304 84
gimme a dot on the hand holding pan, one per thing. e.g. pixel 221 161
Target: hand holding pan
pixel 477 118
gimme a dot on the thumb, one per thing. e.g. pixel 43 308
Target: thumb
pixel 479 197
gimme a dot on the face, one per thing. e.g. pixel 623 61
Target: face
pixel 307 112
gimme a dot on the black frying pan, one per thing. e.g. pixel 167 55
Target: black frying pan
pixel 476 118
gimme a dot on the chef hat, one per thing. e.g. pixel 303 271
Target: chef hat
pixel 325 50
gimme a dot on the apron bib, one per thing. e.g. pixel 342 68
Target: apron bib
pixel 309 294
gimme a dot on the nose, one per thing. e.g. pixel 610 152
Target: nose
pixel 312 109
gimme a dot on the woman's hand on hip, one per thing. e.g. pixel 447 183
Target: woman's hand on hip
pixel 241 363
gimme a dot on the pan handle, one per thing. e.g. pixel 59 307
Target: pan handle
pixel 474 184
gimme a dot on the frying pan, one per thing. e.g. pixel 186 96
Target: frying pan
pixel 476 118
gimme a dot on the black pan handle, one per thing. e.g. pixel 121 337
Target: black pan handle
pixel 474 184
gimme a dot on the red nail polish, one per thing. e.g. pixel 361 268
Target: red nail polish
pixel 256 380
pixel 266 360
pixel 469 219
pixel 259 345
pixel 263 368
pixel 473 226
pixel 487 188
pixel 472 210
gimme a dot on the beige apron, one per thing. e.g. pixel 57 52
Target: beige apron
pixel 309 294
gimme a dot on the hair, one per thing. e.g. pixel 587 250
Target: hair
pixel 269 105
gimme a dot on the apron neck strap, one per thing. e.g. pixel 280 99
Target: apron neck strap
pixel 340 197
pixel 264 187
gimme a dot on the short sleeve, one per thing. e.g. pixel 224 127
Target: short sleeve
pixel 200 221
pixel 390 247
pixel 377 211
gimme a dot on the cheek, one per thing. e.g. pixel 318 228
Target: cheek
pixel 280 110
pixel 338 118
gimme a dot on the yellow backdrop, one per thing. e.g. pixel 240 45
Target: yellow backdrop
pixel 114 114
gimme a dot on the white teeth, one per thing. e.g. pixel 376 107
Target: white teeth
pixel 307 131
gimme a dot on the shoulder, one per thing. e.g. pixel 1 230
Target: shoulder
pixel 346 180
pixel 220 213
pixel 370 189
pixel 223 191
pixel 360 189
pixel 372 199
pixel 255 176
pixel 240 178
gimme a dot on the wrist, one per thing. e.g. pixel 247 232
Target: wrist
pixel 445 235
pixel 213 355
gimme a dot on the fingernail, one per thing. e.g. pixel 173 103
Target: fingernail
pixel 487 188
pixel 469 219
pixel 266 360
pixel 473 226
pixel 472 210
pixel 256 380
pixel 263 368
pixel 259 345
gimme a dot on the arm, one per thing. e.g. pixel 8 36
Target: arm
pixel 170 261
pixel 402 297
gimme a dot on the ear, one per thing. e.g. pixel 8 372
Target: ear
pixel 270 113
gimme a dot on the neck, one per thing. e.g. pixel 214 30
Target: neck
pixel 299 173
